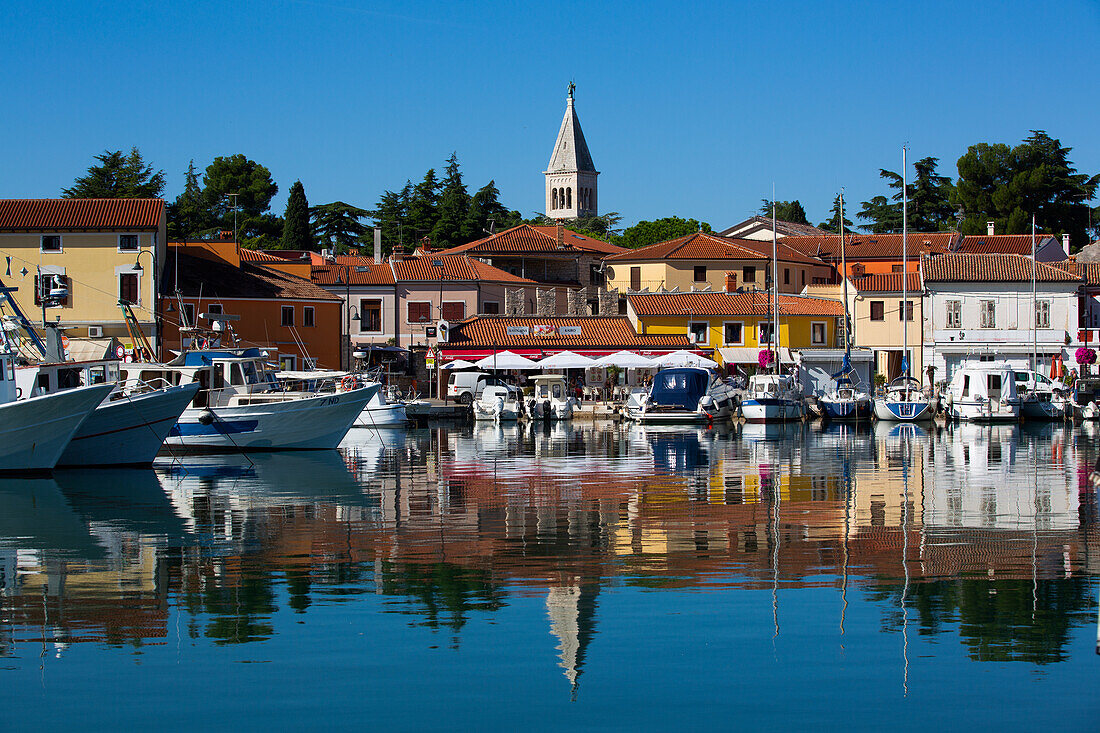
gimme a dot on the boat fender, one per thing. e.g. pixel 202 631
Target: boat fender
pixel 206 417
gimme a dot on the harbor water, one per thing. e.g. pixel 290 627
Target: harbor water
pixel 565 576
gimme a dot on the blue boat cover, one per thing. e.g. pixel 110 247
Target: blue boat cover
pixel 682 387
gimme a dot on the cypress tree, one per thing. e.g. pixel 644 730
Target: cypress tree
pixel 297 232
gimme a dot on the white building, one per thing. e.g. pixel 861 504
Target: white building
pixel 571 189
pixel 979 307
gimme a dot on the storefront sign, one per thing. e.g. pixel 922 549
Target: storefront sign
pixel 569 330
pixel 542 329
pixel 518 330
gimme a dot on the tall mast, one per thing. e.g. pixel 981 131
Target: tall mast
pixel 1034 307
pixel 844 276
pixel 904 266
pixel 775 287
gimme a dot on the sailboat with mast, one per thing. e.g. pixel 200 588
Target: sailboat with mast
pixel 846 400
pixel 775 396
pixel 903 399
pixel 1038 403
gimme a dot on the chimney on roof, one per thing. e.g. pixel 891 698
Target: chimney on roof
pixel 378 245
pixel 858 270
pixel 1065 243
pixel 561 236
pixel 990 228
pixel 731 282
pixel 226 235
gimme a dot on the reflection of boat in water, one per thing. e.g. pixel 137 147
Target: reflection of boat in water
pixel 129 499
pixel 678 452
pixel 900 430
pixel 771 431
pixel 37 516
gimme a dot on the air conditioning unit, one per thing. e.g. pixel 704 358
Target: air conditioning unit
pixel 95 332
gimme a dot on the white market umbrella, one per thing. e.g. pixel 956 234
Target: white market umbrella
pixel 458 364
pixel 505 360
pixel 685 359
pixel 626 359
pixel 565 360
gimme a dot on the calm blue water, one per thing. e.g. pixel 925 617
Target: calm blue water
pixel 569 577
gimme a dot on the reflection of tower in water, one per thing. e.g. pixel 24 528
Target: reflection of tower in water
pixel 572 612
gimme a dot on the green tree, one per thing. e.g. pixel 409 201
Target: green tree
pixel 930 208
pixel 423 208
pixel 645 233
pixel 297 230
pixel 339 224
pixel 791 211
pixel 391 214
pixel 884 216
pixel 188 216
pixel 1007 185
pixel 254 189
pixel 602 226
pixel 118 176
pixel 453 207
pixel 487 215
pixel 833 224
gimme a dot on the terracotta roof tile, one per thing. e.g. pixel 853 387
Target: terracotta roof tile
pixel 991 268
pixel 455 267
pixel 707 246
pixel 220 280
pixel 360 270
pixel 64 214
pixel 731 304
pixel 596 331
pixel 255 255
pixel 782 228
pixel 1008 244
pixel 527 238
pixel 873 246
pixel 887 282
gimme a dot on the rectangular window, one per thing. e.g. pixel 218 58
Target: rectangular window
pixel 734 334
pixel 214 309
pixel 635 278
pixel 1042 314
pixel 905 311
pixel 188 315
pixel 697 332
pixel 764 332
pixel 51 287
pixel 622 306
pixel 454 310
pixel 490 308
pixel 895 268
pixel 878 310
pixel 286 363
pixel 786 276
pixel 308 316
pixel 127 243
pixel 370 315
pixel 988 311
pixel 699 274
pixel 748 274
pixel 419 312
pixel 51 243
pixel 287 315
pixel 128 287
pixel 817 333
pixel 954 314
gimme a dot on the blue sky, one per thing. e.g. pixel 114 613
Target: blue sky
pixel 690 109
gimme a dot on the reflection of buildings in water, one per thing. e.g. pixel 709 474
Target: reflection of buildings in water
pixel 572 612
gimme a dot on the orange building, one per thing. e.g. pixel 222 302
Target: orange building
pixel 297 322
pixel 868 254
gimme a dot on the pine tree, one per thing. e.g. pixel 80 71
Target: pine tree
pixel 188 216
pixel 833 224
pixel 297 230
pixel 930 208
pixel 118 177
pixel 883 215
pixel 339 224
pixel 454 205
pixel 790 211
pixel 486 214
pixel 423 209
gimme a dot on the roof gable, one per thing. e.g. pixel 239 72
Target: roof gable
pixel 707 246
pixel 756 303
pixel 526 238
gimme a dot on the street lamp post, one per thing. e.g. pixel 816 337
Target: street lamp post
pixel 155 310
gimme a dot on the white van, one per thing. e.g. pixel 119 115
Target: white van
pixel 465 387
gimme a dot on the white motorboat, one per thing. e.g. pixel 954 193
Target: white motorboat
pixel 551 399
pixel 129 425
pixel 498 402
pixel 240 406
pixel 772 398
pixel 983 392
pixel 379 412
pixel 904 401
pixel 34 431
pixel 683 395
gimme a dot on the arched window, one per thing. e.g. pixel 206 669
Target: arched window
pixel 561 198
pixel 569 198
pixel 554 195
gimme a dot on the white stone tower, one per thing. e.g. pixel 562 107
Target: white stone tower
pixel 571 176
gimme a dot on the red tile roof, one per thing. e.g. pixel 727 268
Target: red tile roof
pixel 455 267
pixel 991 268
pixel 360 270
pixel 255 255
pixel 706 246
pixel 220 280
pixel 756 303
pixel 527 238
pixel 764 223
pixel 887 282
pixel 873 246
pixel 614 332
pixel 1009 244
pixel 67 214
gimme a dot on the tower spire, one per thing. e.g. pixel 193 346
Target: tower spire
pixel 570 175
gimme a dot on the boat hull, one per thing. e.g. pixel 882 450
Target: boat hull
pixel 1031 409
pixel 129 430
pixel 845 410
pixel 773 409
pixel 983 412
pixel 311 423
pixel 35 432
pixel 385 416
pixel 903 410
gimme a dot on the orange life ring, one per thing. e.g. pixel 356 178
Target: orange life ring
pixel 348 383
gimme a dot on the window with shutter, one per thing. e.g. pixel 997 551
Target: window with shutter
pixel 128 287
pixel 419 312
pixel 454 310
pixel 878 310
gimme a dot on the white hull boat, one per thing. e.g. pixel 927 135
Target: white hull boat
pixel 683 395
pixel 772 398
pixel 551 399
pixel 904 401
pixel 35 432
pixel 381 413
pixel 497 403
pixel 983 393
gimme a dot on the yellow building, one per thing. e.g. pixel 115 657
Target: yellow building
pixel 84 255
pixel 702 260
pixel 735 326
pixel 874 301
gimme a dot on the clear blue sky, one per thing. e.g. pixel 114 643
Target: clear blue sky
pixel 690 109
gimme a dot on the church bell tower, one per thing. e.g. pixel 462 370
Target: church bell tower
pixel 571 176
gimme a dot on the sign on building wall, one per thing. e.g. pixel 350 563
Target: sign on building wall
pixel 518 330
pixel 569 330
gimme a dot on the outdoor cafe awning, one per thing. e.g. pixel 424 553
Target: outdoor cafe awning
pixel 750 355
